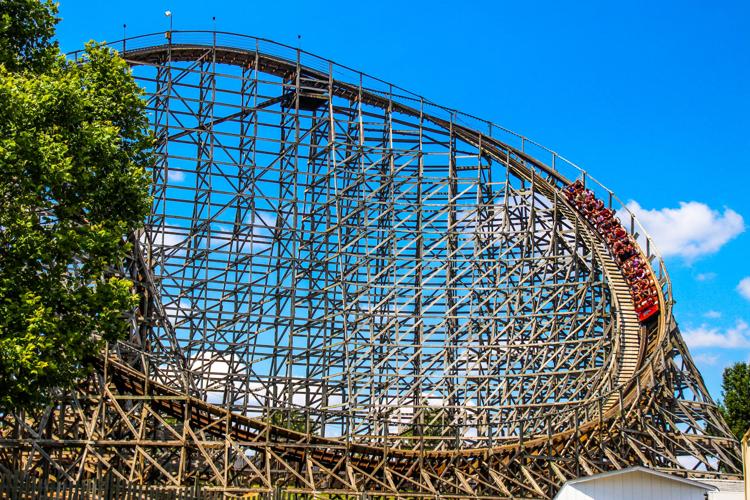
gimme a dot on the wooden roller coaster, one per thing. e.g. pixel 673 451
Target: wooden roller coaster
pixel 347 289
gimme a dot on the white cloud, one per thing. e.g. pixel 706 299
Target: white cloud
pixel 712 314
pixel 223 375
pixel 166 236
pixel 690 231
pixel 732 338
pixel 744 287
pixel 706 358
pixel 693 463
pixel 705 276
pixel 178 311
pixel 176 176
pixel 688 461
pixel 209 371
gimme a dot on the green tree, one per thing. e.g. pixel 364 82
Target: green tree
pixel 429 422
pixel 26 31
pixel 293 420
pixel 73 151
pixel 735 405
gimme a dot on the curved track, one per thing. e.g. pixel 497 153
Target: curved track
pixel 631 352
pixel 542 371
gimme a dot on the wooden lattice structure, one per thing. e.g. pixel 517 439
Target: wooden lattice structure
pixel 347 289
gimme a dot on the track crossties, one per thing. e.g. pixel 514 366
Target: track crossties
pixel 346 289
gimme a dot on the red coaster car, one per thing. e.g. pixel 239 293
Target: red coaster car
pixel 623 247
pixel 648 313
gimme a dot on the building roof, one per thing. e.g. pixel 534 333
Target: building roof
pixel 725 484
pixel 639 468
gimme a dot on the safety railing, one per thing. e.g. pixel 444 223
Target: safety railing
pixel 539 159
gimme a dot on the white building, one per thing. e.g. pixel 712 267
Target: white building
pixel 635 483
pixel 727 490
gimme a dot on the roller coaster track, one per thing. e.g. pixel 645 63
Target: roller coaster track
pixel 633 348
pixel 630 417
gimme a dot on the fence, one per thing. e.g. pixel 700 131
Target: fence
pixel 23 487
pixel 15 486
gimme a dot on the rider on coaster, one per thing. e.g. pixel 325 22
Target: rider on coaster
pixel 642 287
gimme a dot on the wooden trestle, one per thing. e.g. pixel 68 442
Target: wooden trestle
pixel 347 289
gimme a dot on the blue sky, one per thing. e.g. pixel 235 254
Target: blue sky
pixel 653 98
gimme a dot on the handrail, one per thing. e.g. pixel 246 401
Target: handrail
pixel 563 169
pixel 557 162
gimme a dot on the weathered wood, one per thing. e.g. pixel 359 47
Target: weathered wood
pixel 347 290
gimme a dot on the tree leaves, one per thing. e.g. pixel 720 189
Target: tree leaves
pixel 73 184
pixel 735 406
pixel 26 30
